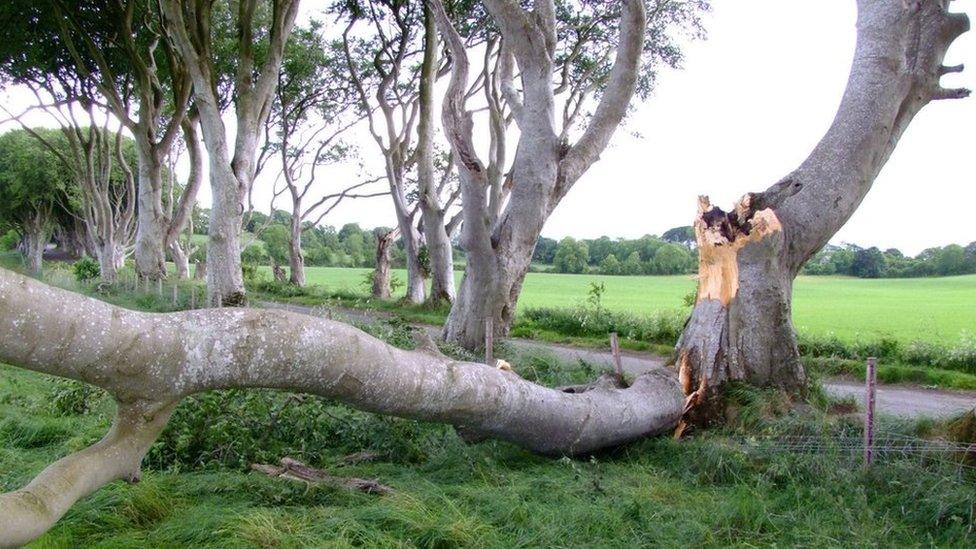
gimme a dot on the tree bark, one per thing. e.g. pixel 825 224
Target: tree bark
pixel 200 272
pixel 151 221
pixel 202 350
pixel 381 274
pixel 35 240
pixel 296 258
pixel 183 211
pixel 225 279
pixel 741 328
pixel 180 259
pixel 432 214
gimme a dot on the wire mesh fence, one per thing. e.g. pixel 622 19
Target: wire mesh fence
pixel 888 447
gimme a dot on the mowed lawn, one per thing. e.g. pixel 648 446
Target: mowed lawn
pixel 928 309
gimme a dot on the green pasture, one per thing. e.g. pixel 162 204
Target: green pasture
pixel 928 309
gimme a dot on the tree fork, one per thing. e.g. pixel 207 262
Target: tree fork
pixel 741 326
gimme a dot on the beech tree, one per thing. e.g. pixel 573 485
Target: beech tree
pixel 258 58
pixel 33 186
pixel 306 128
pixel 741 326
pixel 98 162
pixel 561 51
pixel 386 88
pixel 895 72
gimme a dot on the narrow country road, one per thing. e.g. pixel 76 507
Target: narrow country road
pixel 907 401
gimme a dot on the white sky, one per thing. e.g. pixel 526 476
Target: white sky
pixel 749 105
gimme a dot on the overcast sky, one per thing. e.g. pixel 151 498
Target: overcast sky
pixel 748 106
pixel 750 103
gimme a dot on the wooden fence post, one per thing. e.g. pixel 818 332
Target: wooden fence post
pixel 617 361
pixel 489 341
pixel 869 390
pixel 159 287
pixel 176 294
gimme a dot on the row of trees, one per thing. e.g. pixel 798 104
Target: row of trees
pixel 891 263
pixel 564 75
pixel 648 255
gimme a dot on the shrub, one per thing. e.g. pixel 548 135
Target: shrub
pixel 661 327
pixel 280 289
pixel 73 398
pixel 9 241
pixel 86 269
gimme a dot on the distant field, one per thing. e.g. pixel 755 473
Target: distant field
pixel 930 309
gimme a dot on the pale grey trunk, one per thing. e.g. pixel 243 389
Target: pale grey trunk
pixel 225 280
pixel 441 255
pixel 35 240
pixel 439 251
pixel 200 271
pixel 183 211
pixel 744 332
pixel 180 259
pixel 544 169
pixel 109 260
pixel 152 223
pixel 416 282
pixel 296 258
pixel 381 273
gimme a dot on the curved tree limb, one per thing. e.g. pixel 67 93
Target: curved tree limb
pixel 148 362
pixel 613 105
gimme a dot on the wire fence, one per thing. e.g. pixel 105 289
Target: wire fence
pixel 887 448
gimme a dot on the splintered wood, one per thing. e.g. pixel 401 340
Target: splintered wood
pixel 720 236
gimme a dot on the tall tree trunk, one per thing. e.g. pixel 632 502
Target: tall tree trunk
pixel 381 274
pixel 35 240
pixel 740 328
pixel 152 223
pixel 546 166
pixel 439 250
pixel 296 259
pixel 416 282
pixel 110 259
pixel 225 279
pixel 180 259
pixel 441 255
pixel 200 271
pixel 183 211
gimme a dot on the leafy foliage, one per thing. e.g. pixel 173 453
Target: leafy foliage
pixel 86 269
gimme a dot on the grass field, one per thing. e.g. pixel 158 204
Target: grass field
pixel 708 491
pixel 929 309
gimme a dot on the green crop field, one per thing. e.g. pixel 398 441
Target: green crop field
pixel 929 309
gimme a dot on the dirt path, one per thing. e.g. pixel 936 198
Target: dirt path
pixel 908 401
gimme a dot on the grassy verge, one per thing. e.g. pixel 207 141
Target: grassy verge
pixel 718 488
pixel 892 373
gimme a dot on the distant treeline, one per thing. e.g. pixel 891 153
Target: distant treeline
pixel 891 263
pixel 671 253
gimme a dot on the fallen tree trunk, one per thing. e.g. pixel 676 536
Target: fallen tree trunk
pixel 149 362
